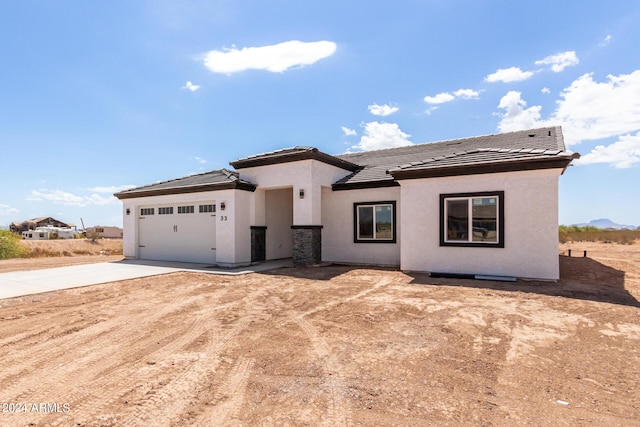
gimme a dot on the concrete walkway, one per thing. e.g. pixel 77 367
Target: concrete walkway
pixel 19 283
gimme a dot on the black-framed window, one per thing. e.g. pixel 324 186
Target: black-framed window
pixel 206 208
pixel 374 222
pixel 165 211
pixel 146 211
pixel 472 219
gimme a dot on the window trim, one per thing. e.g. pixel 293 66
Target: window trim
pixel 470 244
pixel 394 219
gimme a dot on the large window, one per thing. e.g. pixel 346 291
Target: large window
pixel 374 222
pixel 472 219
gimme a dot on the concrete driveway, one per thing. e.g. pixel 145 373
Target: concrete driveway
pixel 19 283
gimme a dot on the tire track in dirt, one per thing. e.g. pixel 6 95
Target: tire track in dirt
pixel 339 409
pixel 385 281
pixel 21 361
pixel 98 336
pixel 116 380
pixel 231 395
pixel 169 401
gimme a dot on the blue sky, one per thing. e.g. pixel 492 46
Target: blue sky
pixel 100 96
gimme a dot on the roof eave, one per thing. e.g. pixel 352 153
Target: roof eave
pixel 484 168
pixel 236 185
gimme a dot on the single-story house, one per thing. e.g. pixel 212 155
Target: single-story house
pixel 105 231
pixel 32 224
pixel 486 205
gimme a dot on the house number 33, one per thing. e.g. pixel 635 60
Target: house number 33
pixel 223 218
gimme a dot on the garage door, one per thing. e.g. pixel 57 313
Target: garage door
pixel 178 233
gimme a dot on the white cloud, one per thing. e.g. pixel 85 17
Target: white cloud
pixel 545 90
pixel 517 116
pixel 200 160
pixel 445 97
pixel 382 135
pixel 560 61
pixel 508 75
pixel 190 86
pixel 606 41
pixel 382 110
pixel 440 98
pixel 110 189
pixel 588 110
pixel 467 94
pixel 623 153
pixel 7 210
pixel 275 58
pixel 347 131
pixel 68 199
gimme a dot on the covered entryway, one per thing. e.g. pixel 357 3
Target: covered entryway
pixel 279 218
pixel 184 233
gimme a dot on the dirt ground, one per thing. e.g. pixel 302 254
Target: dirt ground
pixel 330 346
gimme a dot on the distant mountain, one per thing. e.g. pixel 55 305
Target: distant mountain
pixel 607 223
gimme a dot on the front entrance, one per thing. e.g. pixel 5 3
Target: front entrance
pixel 279 219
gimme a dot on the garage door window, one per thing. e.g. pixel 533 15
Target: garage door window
pixel 165 211
pixel 206 208
pixel 185 209
pixel 146 211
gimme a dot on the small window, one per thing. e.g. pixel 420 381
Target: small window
pixel 206 208
pixel 185 209
pixel 472 219
pixel 165 211
pixel 146 211
pixel 374 222
pixel 99 230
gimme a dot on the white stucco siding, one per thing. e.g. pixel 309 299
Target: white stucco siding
pixel 232 231
pixel 306 175
pixel 530 225
pixel 338 227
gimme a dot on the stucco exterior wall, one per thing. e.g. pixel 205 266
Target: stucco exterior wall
pixel 307 175
pixel 233 238
pixel 338 232
pixel 531 225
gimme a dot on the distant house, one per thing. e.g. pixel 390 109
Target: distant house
pixel 106 232
pixel 32 224
pixel 36 235
pixel 486 205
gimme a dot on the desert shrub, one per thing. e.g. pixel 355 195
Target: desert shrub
pixel 573 233
pixel 11 245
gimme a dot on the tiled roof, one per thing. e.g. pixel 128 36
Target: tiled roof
pixel 524 146
pixel 292 154
pixel 214 180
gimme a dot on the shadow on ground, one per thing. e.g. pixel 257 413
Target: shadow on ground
pixel 580 278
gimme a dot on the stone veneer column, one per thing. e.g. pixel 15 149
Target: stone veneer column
pixel 258 243
pixel 307 244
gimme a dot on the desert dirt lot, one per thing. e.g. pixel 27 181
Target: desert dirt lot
pixel 330 346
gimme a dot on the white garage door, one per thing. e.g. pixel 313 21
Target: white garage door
pixel 178 232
